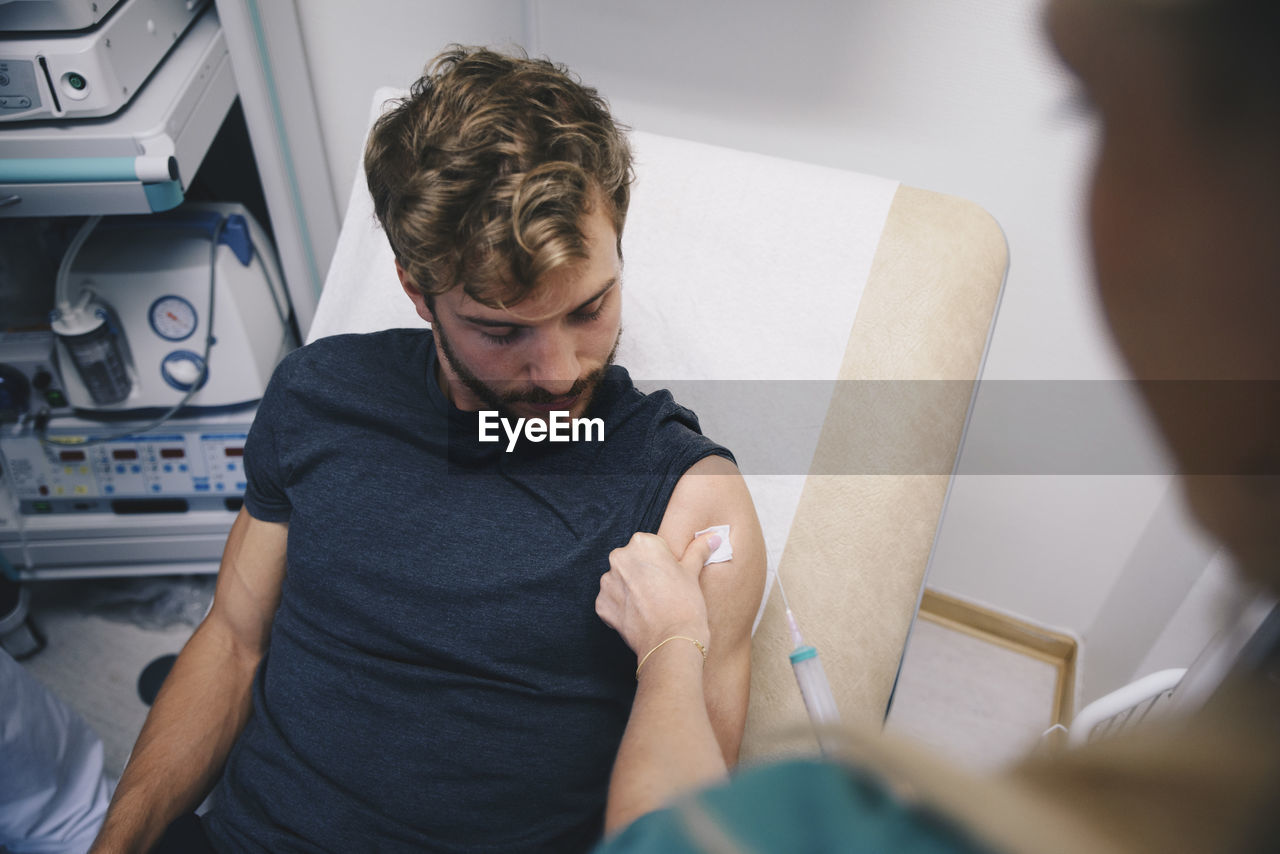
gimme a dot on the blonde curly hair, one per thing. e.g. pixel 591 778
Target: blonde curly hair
pixel 482 175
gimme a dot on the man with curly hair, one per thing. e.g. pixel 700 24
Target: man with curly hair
pixel 403 651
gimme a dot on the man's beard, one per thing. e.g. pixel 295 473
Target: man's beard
pixel 584 387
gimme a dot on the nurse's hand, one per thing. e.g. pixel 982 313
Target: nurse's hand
pixel 649 595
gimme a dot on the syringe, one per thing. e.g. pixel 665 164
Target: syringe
pixel 812 679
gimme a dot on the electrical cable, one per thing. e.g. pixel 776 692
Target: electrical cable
pixel 271 288
pixel 281 314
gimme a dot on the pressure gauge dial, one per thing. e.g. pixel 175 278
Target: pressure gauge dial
pixel 173 318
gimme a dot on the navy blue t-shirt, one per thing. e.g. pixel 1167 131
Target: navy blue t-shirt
pixel 437 678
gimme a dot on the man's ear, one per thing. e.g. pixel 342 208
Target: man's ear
pixel 419 299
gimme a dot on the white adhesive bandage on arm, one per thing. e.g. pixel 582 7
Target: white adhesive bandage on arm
pixel 725 551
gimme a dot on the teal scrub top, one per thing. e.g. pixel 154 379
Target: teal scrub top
pixel 796 807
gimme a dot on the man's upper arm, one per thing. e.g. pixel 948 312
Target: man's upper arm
pixel 712 492
pixel 250 579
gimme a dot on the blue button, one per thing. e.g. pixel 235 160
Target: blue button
pixel 242 486
pixel 182 467
pixel 155 487
pixel 135 468
pixel 221 486
pixel 120 469
pixel 168 467
pixel 108 489
pixel 231 466
pixel 202 487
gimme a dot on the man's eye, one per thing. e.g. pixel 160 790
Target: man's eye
pixel 508 337
pixel 587 318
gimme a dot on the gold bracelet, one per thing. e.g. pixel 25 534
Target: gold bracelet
pixel 702 649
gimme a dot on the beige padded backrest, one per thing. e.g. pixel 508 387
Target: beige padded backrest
pixel 855 559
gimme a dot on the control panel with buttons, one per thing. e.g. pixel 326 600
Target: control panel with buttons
pixel 180 469
pixel 18 89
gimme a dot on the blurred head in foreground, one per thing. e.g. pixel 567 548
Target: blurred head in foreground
pixel 1185 226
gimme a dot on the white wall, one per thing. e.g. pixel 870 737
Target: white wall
pixel 354 48
pixel 961 97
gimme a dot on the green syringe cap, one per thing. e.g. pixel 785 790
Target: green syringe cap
pixel 803 653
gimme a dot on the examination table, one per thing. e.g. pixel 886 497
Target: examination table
pixel 828 327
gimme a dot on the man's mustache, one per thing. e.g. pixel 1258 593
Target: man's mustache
pixel 539 395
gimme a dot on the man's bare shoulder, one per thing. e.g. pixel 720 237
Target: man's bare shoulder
pixel 710 489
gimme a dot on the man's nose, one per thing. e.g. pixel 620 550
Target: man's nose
pixel 554 365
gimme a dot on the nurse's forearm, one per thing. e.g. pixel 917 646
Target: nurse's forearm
pixel 669 746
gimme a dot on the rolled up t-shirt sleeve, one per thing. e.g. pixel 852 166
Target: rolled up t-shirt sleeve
pixel 265 496
pixel 677 443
